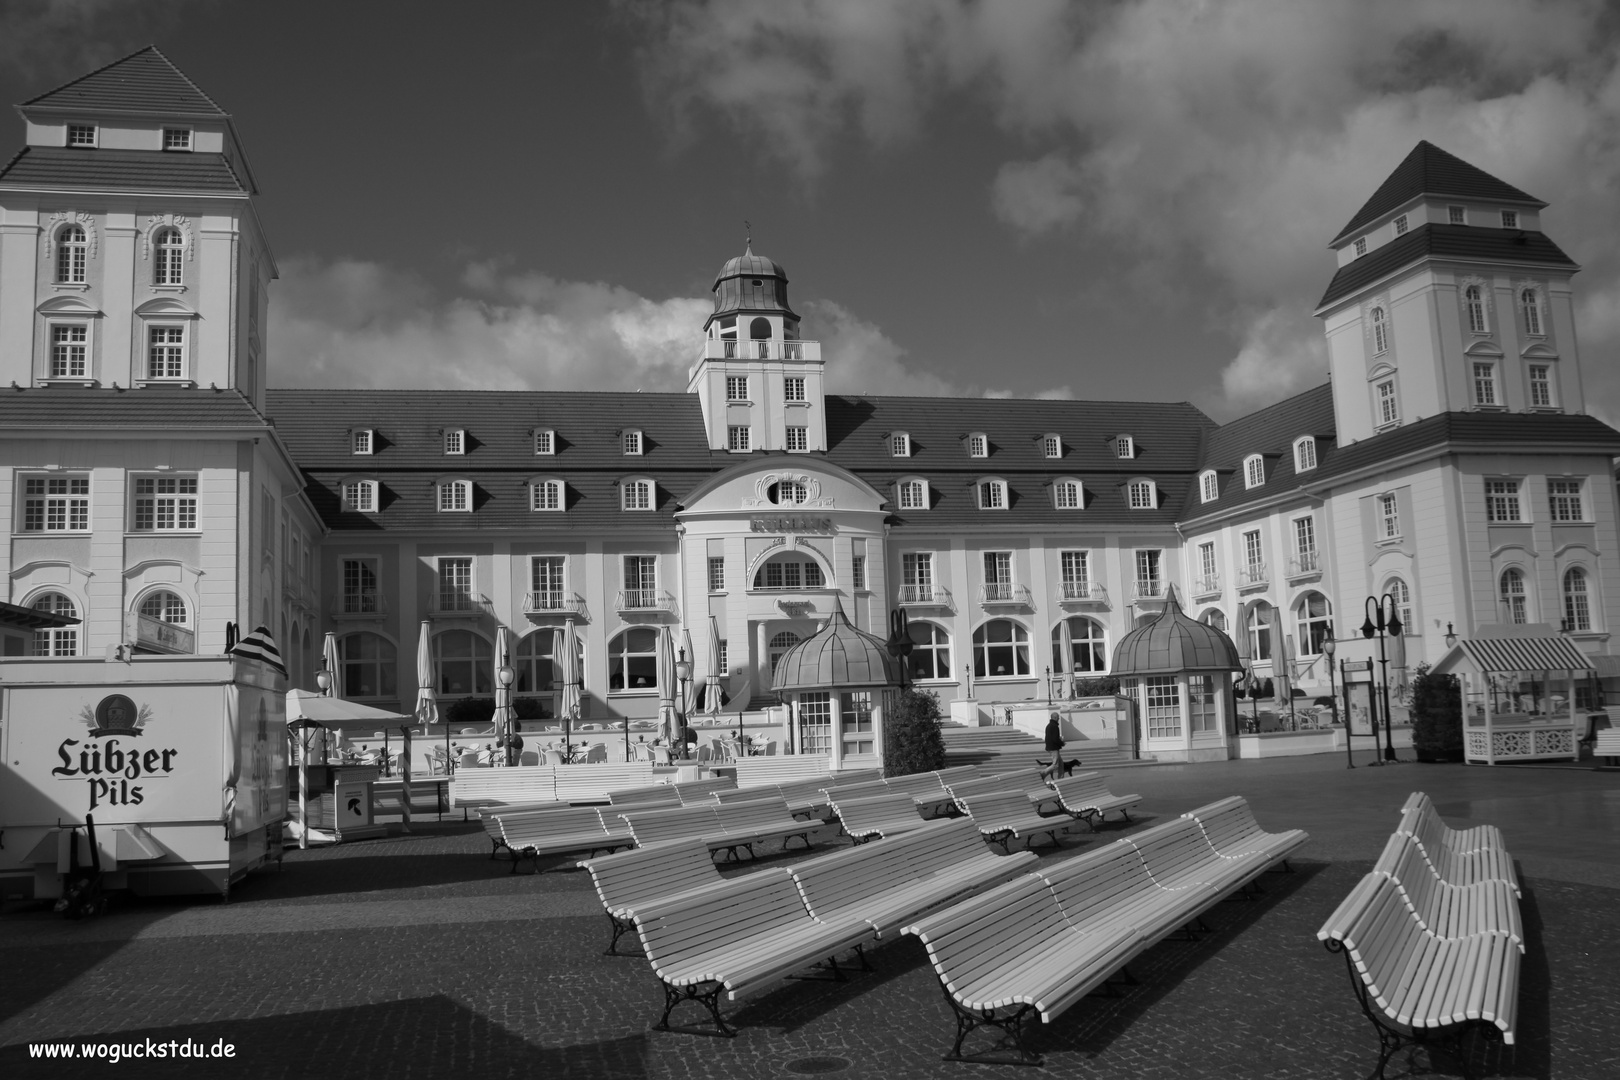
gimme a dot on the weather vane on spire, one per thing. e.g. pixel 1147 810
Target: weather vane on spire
pixel 748 235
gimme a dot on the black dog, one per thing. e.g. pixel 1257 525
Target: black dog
pixel 1066 767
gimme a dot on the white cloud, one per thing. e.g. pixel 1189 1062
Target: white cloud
pixel 47 42
pixel 1274 362
pixel 1038 196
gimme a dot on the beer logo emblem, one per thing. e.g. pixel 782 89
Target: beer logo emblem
pixel 116 714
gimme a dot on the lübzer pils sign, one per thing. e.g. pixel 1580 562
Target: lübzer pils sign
pixel 114 766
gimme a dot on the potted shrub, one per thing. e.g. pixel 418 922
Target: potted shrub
pixel 1437 721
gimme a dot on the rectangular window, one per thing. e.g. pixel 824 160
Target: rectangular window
pixel 815 722
pixel 798 439
pixel 177 138
pixel 1400 225
pixel 858 572
pixel 56 504
pixel 1253 553
pixel 736 388
pixel 1502 501
pixel 641 581
pixel 1163 703
pixel 632 443
pixel 165 504
pixel 1510 219
pixel 1565 500
pixel 855 717
pixel 1389 517
pixel 793 388
pixel 978 446
pixel 455 584
pixel 361 442
pixel 737 437
pixel 1052 446
pixel 547 582
pixel 725 656
pixel 1361 246
pixel 1456 215
pixel 1305 538
pixel 69 342
pixel 1541 386
pixel 546 495
pixel 81 135
pixel 1147 573
pixel 917 575
pixel 455 441
pixel 900 444
pixel 717 574
pixel 1389 410
pixel 359 586
pixel 998 582
pixel 165 352
pixel 1206 561
pixel 1201 706
pixel 1075 568
pixel 360 496
pixel 545 441
pixel 1484 384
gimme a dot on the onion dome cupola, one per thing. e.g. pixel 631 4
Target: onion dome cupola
pixel 751 300
pixel 1174 644
pixel 837 657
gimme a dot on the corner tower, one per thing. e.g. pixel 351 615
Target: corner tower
pixel 759 382
pixel 1448 298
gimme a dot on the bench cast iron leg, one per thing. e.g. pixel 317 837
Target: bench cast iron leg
pixel 1011 1026
pixel 620 928
pixel 674 995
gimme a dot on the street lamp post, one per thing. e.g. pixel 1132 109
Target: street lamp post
pixel 505 674
pixel 1329 647
pixel 1377 623
pixel 899 644
pixel 683 675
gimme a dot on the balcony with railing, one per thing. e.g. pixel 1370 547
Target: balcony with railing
pixel 452 604
pixel 1005 594
pixel 360 606
pixel 925 596
pixel 1209 585
pixel 1304 565
pixel 1149 589
pixel 730 349
pixel 1256 575
pixel 646 600
pixel 553 602
pixel 1081 591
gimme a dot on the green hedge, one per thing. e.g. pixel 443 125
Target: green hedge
pixel 912 742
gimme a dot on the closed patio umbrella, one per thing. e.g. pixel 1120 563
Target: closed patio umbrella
pixel 427 705
pixel 666 688
pixel 503 694
pixel 568 664
pixel 711 704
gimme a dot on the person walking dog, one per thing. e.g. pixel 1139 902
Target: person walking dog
pixel 1054 745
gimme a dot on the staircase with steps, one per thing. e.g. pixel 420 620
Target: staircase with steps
pixel 994 748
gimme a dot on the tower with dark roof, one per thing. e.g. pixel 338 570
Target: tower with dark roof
pixel 760 383
pixel 1448 298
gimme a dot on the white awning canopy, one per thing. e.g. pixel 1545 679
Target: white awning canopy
pixel 336 712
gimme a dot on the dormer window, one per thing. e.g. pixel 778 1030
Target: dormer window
pixel 912 494
pixel 81 134
pixel 899 444
pixel 1305 454
pixel 1254 471
pixel 455 441
pixel 1068 495
pixel 360 441
pixel 1510 219
pixel 545 441
pixel 1124 447
pixel 637 495
pixel 1142 495
pixel 978 445
pixel 455 497
pixel 1052 446
pixel 360 496
pixel 1209 486
pixel 632 443
pixel 992 494
pixel 1456 215
pixel 546 495
pixel 1361 246
pixel 1400 225
pixel 177 138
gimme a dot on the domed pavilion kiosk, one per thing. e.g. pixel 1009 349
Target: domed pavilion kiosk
pixel 1178 672
pixel 839 684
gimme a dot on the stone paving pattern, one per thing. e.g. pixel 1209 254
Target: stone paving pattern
pixel 416 956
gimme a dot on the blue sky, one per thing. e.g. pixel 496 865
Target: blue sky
pixel 1127 200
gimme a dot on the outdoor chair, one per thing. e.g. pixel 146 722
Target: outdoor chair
pixel 469 759
pixel 770 748
pixel 597 753
pixel 529 757
pixel 554 757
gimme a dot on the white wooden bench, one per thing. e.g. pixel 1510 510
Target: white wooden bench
pixel 892 881
pixel 884 815
pixel 1449 911
pixel 762 819
pixel 472 789
pixel 1487 863
pixel 780 769
pixel 1029 781
pixel 1230 829
pixel 703 791
pixel 1462 841
pixel 658 824
pixel 1414 986
pixel 1086 796
pixel 653 795
pixel 738 937
pixel 591 782
pixel 1606 746
pixel 1005 816
pixel 628 880
pixel 532 833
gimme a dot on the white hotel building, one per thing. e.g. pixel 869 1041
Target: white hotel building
pixel 159 491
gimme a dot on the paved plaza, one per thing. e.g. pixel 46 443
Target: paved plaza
pixel 416 956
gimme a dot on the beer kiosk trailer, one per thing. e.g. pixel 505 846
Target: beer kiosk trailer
pixel 180 760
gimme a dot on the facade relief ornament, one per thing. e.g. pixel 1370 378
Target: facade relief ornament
pixel 154 222
pixel 53 225
pixel 812 492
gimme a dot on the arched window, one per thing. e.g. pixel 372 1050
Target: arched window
pixel 1315 620
pixel 637 495
pixel 930 651
pixel 633 659
pixel 1474 303
pixel 1088 646
pixel 1142 495
pixel 913 494
pixel 167 247
pixel 778 647
pixel 789 571
pixel 1380 327
pixel 61 640
pixel 1531 309
pixel 1577 611
pixel 1513 603
pixel 1068 495
pixel 978 445
pixel 455 497
pixel 1259 630
pixel 787 492
pixel 546 495
pixel 1398 592
pixel 368 664
pixel 992 494
pixel 760 329
pixel 1000 650
pixel 1209 486
pixel 462 663
pixel 71 249
pixel 1305 453
pixel 166 607
pixel 899 444
pixel 1214 617
pixel 1254 471
pixel 537 662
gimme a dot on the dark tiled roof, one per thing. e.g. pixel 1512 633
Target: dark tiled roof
pixel 122 170
pixel 1470 242
pixel 150 407
pixel 1270 432
pixel 142 82
pixel 1429 170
